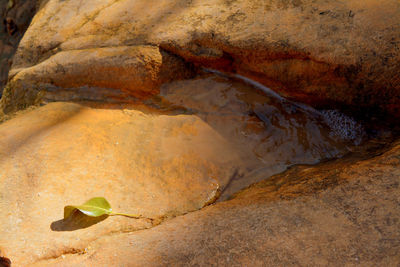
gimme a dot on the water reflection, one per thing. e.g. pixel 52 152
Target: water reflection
pixel 268 132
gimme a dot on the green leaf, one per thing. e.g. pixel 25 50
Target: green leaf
pixel 94 207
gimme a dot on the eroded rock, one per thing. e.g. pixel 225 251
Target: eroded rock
pixel 165 164
pixel 321 52
pixel 137 71
pixel 157 162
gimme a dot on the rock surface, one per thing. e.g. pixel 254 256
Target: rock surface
pixel 157 136
pixel 320 52
pixel 343 213
pixel 158 163
pixel 63 154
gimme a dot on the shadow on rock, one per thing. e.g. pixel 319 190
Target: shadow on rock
pixel 5 262
pixel 76 221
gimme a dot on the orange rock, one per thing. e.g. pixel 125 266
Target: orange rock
pixel 323 53
pixel 207 136
pixel 341 213
pixel 64 154
pixel 206 145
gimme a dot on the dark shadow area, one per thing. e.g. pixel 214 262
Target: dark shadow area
pixel 15 18
pixel 76 221
pixel 5 262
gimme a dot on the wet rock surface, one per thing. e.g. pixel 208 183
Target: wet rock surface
pixel 269 133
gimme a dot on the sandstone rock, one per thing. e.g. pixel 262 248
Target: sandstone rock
pixel 137 71
pixel 61 154
pixel 160 162
pixel 323 52
pixel 174 153
pixel 353 221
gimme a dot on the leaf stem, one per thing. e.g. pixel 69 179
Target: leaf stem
pixel 127 215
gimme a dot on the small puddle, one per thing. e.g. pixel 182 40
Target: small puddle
pixel 268 132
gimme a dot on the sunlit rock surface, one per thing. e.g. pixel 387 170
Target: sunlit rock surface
pixel 61 154
pixel 342 213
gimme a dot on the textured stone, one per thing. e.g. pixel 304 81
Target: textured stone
pixel 353 221
pixel 62 154
pixel 136 71
pixel 320 52
pixel 160 163
pixel 201 137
